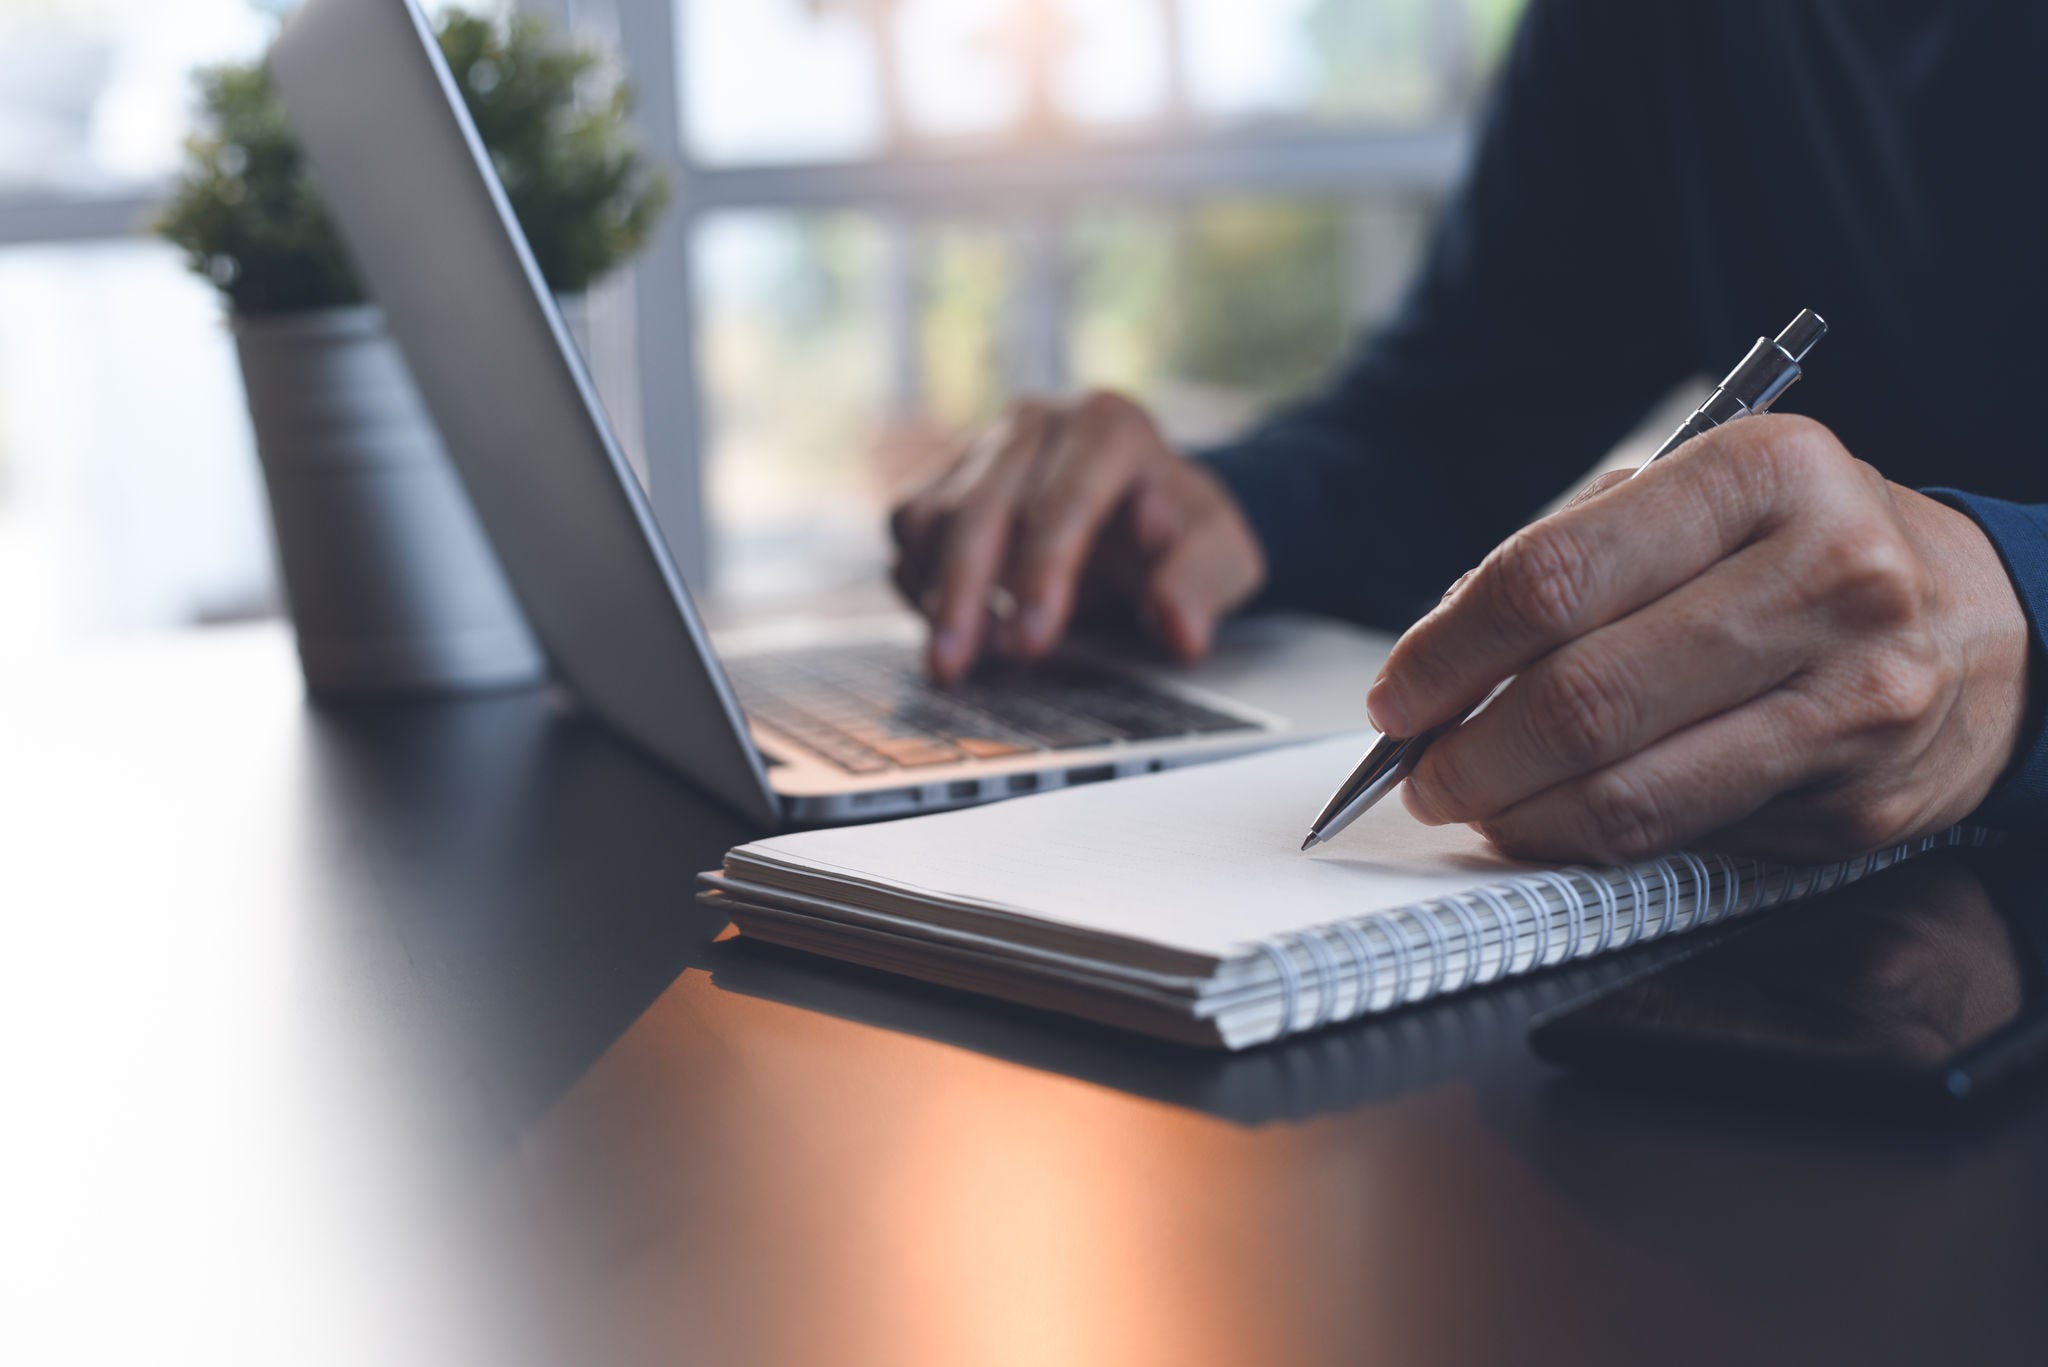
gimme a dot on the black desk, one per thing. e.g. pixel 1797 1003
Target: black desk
pixel 722 1153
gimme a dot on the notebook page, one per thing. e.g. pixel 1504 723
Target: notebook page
pixel 1203 859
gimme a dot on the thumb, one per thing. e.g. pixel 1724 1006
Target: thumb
pixel 1207 572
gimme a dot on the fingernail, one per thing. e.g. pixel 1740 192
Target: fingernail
pixel 1382 709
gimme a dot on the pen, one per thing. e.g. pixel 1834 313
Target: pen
pixel 1752 387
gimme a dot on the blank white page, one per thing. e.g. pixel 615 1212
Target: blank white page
pixel 1203 859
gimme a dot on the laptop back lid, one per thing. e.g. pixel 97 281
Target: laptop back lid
pixel 400 164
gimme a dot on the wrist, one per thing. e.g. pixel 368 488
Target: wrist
pixel 1985 634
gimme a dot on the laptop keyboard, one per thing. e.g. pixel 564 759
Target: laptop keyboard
pixel 871 708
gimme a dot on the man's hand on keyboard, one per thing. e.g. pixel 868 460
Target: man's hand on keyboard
pixel 1063 505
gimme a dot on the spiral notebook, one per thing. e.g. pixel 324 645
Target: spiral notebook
pixel 1180 905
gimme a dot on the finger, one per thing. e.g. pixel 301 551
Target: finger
pixel 1077 486
pixel 1607 695
pixel 1114 581
pixel 913 526
pixel 918 523
pixel 1579 569
pixel 1687 786
pixel 1156 519
pixel 972 547
pixel 1209 571
pixel 908 579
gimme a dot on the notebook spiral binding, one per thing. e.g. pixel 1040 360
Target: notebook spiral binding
pixel 1393 958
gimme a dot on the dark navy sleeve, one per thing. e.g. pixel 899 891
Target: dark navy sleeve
pixel 2019 532
pixel 1543 326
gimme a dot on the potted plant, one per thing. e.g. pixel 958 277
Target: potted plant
pixel 390 580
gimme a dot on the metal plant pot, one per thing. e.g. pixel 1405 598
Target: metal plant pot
pixel 393 586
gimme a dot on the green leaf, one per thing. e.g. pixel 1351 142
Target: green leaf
pixel 248 217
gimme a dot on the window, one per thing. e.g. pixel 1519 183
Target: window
pixel 129 492
pixel 900 212
pixel 891 216
pixel 129 495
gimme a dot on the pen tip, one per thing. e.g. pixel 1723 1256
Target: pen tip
pixel 1311 841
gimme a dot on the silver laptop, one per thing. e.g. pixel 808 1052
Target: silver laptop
pixel 792 724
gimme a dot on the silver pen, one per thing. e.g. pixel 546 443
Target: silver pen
pixel 1752 387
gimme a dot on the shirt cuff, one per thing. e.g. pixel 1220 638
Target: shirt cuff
pixel 2019 533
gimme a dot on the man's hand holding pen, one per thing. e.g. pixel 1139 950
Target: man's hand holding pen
pixel 1759 644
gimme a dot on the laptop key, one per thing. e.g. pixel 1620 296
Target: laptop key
pixel 912 753
pixel 991 749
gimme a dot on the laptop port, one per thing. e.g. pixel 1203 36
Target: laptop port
pixel 965 787
pixel 1022 783
pixel 1094 773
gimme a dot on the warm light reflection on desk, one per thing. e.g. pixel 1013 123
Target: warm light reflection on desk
pixel 855 1195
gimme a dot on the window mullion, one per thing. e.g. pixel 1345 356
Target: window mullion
pixel 650 42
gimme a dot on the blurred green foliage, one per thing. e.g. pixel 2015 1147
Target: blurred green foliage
pixel 961 328
pixel 1243 296
pixel 1253 299
pixel 249 218
pixel 1263 302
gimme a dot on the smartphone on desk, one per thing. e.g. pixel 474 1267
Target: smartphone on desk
pixel 1925 986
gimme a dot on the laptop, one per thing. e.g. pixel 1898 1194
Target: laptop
pixel 790 723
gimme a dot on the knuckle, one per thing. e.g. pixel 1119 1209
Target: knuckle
pixel 1897 691
pixel 1585 713
pixel 1541 578
pixel 1873 579
pixel 1624 816
pixel 1792 449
